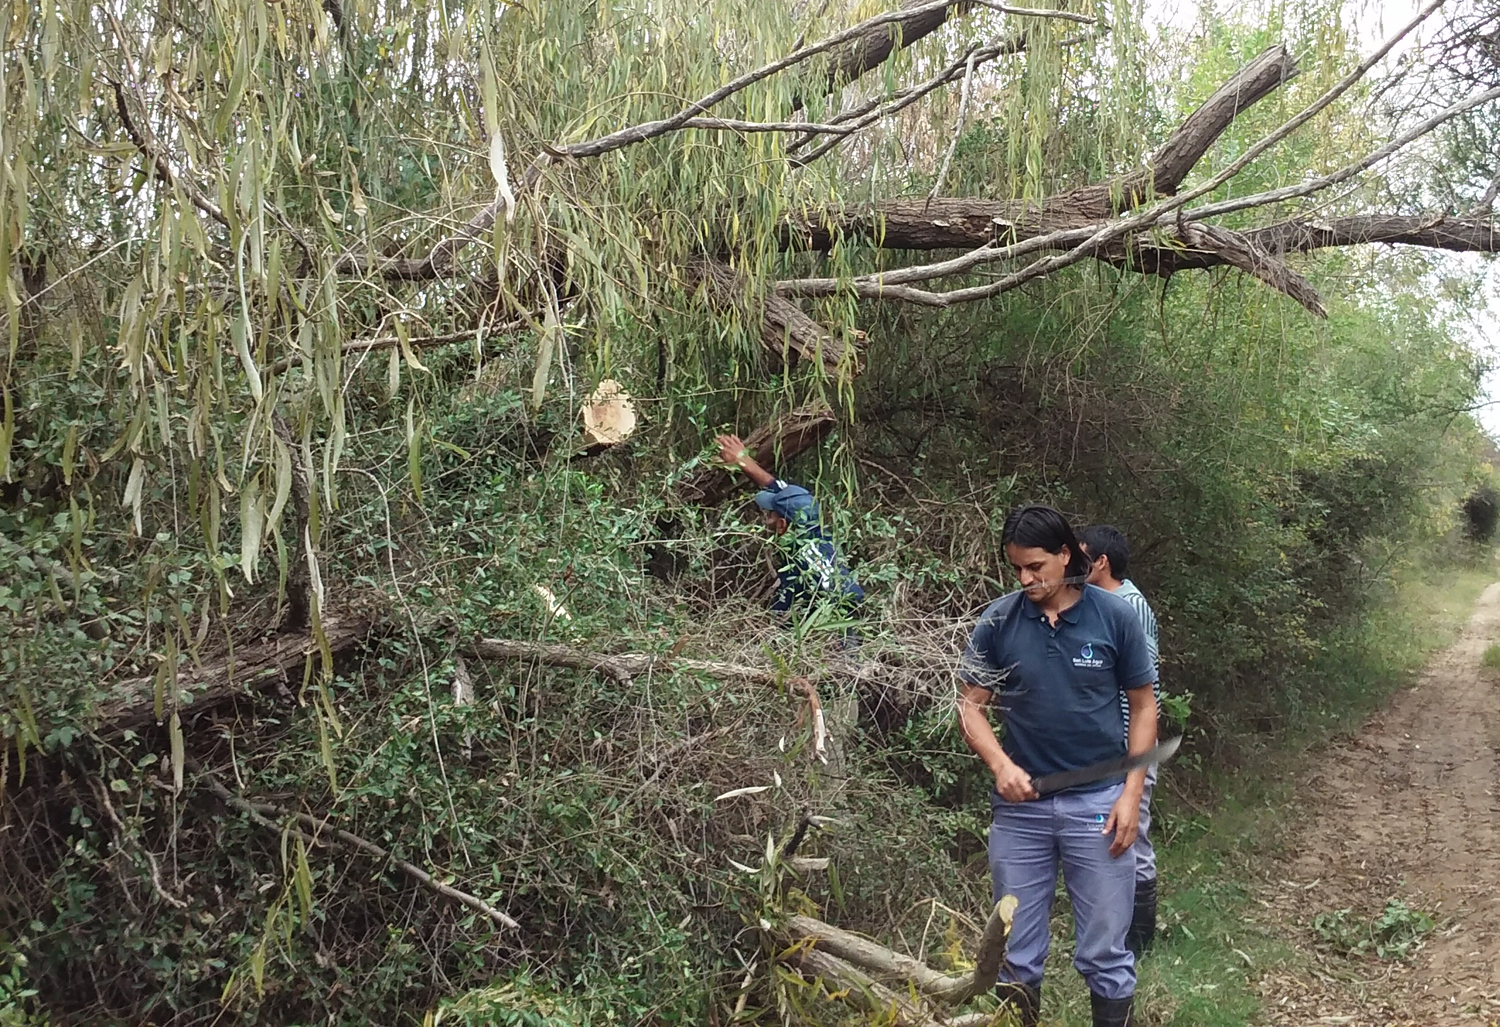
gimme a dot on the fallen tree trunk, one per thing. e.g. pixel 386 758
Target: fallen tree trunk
pixel 776 442
pixel 964 223
pixel 262 664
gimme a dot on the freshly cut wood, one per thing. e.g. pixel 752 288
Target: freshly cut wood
pixel 257 665
pixel 904 972
pixel 609 415
pixel 774 443
pixel 854 987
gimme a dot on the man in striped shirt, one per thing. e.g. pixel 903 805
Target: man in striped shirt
pixel 1108 552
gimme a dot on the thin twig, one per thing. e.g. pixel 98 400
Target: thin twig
pixel 155 868
pixel 258 811
pixel 1031 12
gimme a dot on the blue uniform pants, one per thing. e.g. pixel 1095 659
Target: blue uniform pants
pixel 1145 854
pixel 1029 842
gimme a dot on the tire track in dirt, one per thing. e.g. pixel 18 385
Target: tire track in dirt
pixel 1408 809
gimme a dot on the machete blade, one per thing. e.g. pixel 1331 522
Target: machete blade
pixel 1053 783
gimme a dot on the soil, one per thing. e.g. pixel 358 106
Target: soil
pixel 1409 809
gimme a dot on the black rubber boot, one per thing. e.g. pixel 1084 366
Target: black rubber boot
pixel 1143 921
pixel 1023 999
pixel 1113 1012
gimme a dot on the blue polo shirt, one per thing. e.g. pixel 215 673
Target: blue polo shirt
pixel 1060 687
pixel 813 568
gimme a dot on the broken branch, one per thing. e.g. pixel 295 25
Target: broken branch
pixel 257 812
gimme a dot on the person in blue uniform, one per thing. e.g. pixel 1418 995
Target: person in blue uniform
pixel 1053 659
pixel 813 572
pixel 1108 551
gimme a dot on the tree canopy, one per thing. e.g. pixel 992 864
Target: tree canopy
pixel 302 301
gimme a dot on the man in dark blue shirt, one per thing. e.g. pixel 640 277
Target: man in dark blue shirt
pixel 813 571
pixel 1055 659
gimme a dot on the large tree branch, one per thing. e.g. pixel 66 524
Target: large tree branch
pixel 1112 238
pixel 944 223
pixel 1303 235
pixel 771 444
pixel 870 47
pixel 784 326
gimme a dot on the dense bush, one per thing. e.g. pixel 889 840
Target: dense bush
pixel 1481 514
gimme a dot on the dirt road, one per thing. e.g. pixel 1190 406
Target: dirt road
pixel 1409 809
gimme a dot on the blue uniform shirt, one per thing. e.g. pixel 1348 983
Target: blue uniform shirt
pixel 813 567
pixel 1060 687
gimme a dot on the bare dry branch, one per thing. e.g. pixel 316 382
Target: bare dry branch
pixel 958 129
pixel 258 812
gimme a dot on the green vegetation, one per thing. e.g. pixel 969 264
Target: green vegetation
pixel 1491 657
pixel 256 412
pixel 1394 934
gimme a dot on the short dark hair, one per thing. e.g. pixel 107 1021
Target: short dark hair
pixel 1108 540
pixel 1035 526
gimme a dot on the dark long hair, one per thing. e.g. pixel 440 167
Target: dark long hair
pixel 1035 526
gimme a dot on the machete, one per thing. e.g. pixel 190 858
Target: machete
pixel 1053 783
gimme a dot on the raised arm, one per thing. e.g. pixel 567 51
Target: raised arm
pixel 732 451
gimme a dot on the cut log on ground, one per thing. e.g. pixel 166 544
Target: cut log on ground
pixel 278 660
pixel 877 979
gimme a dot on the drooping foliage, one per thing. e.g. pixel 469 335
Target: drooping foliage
pixel 301 302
